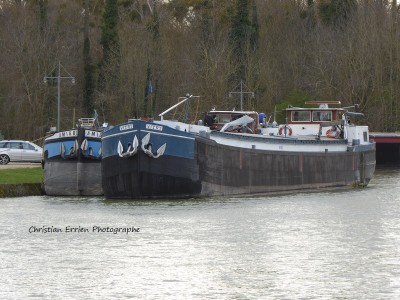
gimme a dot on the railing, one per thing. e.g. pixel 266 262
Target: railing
pixel 86 122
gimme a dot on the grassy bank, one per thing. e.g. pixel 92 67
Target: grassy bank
pixel 23 175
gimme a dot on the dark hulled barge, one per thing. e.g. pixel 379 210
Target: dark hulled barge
pixel 236 153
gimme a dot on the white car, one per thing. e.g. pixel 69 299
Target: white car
pixel 17 150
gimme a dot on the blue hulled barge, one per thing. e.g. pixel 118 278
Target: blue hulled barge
pixel 72 161
pixel 234 153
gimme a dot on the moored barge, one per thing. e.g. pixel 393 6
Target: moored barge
pixel 236 152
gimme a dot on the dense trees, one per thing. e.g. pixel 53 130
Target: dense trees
pixel 283 50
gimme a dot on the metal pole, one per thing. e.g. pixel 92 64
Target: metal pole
pixel 59 97
pixel 73 119
pixel 176 105
pixel 241 95
pixel 59 77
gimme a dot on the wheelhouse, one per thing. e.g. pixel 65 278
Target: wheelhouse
pixel 315 115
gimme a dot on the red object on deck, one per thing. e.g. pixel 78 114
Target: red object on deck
pixel 385 137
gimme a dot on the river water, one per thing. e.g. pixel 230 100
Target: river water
pixel 330 244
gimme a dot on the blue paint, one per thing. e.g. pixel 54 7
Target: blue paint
pixel 178 143
pixel 53 148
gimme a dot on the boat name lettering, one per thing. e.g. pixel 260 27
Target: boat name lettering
pixel 125 127
pixel 91 133
pixel 67 133
pixel 154 127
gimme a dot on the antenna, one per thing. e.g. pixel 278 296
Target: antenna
pixel 241 94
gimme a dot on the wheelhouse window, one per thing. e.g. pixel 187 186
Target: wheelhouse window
pixel 301 116
pixel 366 137
pixel 226 118
pixel 222 118
pixel 322 116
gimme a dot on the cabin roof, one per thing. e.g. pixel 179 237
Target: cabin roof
pixel 314 108
pixel 322 105
pixel 231 112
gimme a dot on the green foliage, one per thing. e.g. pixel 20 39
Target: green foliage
pixel 240 35
pixel 154 25
pixel 109 66
pixel 109 37
pixel 336 12
pixel 240 27
pixel 88 91
pixel 255 29
pixel 43 15
pixel 146 90
pixel 25 175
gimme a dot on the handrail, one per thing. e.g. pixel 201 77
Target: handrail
pixel 87 121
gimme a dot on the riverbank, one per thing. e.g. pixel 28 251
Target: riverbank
pixel 21 190
pixel 21 180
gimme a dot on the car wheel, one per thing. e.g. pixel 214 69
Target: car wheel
pixel 4 159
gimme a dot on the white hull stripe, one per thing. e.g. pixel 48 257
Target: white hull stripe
pixel 117 134
pixel 168 134
pixel 148 131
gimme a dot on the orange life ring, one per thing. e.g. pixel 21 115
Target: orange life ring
pixel 331 133
pixel 288 130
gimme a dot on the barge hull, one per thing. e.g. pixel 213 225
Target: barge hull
pixel 166 177
pixel 219 170
pixel 72 178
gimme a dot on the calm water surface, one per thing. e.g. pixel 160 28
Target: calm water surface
pixel 323 245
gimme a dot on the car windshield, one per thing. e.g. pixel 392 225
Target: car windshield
pixel 3 144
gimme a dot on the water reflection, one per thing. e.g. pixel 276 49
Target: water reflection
pixel 328 244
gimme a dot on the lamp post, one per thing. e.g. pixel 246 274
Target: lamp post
pixel 241 94
pixel 59 77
